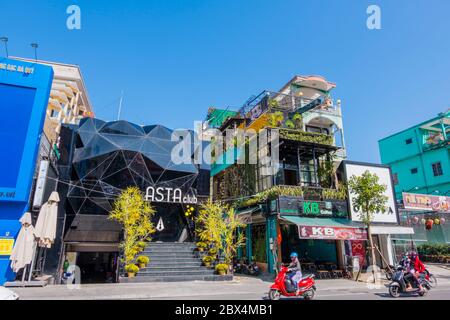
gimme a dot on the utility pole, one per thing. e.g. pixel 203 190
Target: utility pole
pixel 5 41
pixel 120 106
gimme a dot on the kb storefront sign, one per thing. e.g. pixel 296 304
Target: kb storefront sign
pixel 169 195
pixel 331 233
pixel 311 208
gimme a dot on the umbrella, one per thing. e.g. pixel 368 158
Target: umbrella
pixel 45 230
pixel 22 252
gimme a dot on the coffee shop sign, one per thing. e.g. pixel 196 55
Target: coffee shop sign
pixel 170 195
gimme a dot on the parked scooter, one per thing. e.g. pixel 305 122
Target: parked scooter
pixel 284 287
pixel 399 286
pixel 251 269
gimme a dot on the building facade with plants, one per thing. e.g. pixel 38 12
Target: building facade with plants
pixel 302 205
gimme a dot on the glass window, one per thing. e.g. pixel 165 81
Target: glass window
pixel 437 169
pixel 408 141
pixel 395 178
pixel 414 170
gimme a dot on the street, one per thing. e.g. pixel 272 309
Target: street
pixel 241 288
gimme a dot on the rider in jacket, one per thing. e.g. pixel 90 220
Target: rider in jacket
pixel 295 271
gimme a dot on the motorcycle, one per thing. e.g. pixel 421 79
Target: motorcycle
pixel 399 284
pixel 430 278
pixel 284 287
pixel 251 269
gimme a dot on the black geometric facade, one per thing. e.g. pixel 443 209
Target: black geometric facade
pixel 108 157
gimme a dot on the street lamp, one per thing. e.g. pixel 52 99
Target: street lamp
pixel 35 46
pixel 5 41
pixel 414 188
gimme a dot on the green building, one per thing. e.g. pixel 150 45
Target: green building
pixel 420 157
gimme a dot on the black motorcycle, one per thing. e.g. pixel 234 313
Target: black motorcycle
pixel 251 269
pixel 398 285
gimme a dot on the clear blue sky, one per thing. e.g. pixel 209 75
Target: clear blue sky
pixel 174 59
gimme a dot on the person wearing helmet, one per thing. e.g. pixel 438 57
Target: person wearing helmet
pixel 417 267
pixel 295 271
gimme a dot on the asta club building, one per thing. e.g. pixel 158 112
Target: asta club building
pixel 100 159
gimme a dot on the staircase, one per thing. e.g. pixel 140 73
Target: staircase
pixel 173 261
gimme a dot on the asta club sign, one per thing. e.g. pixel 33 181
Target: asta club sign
pixel 169 195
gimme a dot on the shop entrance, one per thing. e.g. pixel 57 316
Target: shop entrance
pixel 97 267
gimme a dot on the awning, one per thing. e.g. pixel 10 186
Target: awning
pixel 327 228
pixel 391 230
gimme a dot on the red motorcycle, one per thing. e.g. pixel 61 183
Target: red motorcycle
pixel 284 287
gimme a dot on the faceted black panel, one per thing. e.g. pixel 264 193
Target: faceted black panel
pixel 111 156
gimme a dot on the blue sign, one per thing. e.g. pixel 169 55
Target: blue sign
pixel 24 93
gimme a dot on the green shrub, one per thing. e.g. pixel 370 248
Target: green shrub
pixel 143 260
pixel 131 268
pixel 213 251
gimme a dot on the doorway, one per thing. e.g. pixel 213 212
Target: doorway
pixel 97 267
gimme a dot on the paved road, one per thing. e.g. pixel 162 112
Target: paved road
pixel 241 288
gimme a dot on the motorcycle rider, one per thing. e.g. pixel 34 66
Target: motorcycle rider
pixel 417 267
pixel 295 271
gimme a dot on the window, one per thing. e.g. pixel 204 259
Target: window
pixel 395 178
pixel 413 170
pixel 54 113
pixel 408 141
pixel 437 169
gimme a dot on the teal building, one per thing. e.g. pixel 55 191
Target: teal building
pixel 420 157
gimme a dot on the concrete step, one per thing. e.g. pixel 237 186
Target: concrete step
pixel 183 268
pixel 166 254
pixel 177 278
pixel 173 264
pixel 152 251
pixel 174 272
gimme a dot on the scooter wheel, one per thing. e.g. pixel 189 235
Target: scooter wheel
pixel 394 291
pixel 423 293
pixel 309 295
pixel 274 294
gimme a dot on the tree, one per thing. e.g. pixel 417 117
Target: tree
pixel 368 199
pixel 135 215
pixel 232 239
pixel 217 225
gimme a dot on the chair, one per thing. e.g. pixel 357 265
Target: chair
pixel 312 269
pixel 322 272
pixel 336 272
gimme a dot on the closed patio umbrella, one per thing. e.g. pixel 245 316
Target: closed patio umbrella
pixel 22 252
pixel 45 229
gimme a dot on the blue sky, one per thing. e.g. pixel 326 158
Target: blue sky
pixel 174 59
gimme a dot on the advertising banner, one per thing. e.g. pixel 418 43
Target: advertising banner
pixel 331 233
pixel 384 175
pixel 425 202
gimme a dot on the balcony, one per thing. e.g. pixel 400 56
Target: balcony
pixel 310 193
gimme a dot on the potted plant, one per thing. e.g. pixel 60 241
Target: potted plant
pixel 207 260
pixel 221 269
pixel 213 251
pixel 142 261
pixel 141 245
pixel 131 269
pixel 201 246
